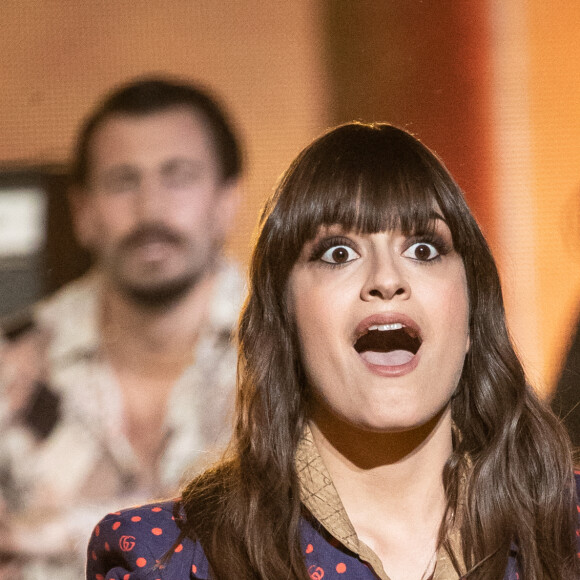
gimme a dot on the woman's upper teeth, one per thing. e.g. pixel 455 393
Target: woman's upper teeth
pixel 393 326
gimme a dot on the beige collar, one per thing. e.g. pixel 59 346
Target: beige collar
pixel 319 496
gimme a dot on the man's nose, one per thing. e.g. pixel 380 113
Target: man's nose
pixel 386 280
pixel 149 200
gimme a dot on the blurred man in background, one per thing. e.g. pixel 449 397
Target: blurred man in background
pixel 137 370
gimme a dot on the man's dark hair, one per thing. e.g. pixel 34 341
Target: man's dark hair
pixel 152 95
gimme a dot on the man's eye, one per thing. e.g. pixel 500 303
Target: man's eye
pixel 339 255
pixel 421 251
pixel 179 173
pixel 120 182
pixel 180 177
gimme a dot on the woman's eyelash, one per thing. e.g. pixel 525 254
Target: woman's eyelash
pixel 325 244
pixel 442 246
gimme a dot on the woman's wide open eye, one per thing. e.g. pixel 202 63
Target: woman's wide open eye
pixel 422 252
pixel 339 255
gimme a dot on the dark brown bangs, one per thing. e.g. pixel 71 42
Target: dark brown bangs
pixel 368 179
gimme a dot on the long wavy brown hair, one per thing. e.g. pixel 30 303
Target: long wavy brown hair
pixel 519 491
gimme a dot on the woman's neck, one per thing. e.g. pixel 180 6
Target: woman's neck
pixel 366 450
pixel 390 485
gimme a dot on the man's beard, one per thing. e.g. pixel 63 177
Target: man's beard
pixel 161 295
pixel 152 293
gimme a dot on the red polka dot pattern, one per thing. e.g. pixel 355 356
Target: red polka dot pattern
pixel 136 540
pixel 130 545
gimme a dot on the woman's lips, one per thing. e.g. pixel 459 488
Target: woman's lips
pixel 388 343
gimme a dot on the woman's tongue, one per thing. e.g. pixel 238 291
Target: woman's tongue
pixel 388 348
pixel 392 358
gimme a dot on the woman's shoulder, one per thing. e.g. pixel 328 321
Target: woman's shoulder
pixel 144 542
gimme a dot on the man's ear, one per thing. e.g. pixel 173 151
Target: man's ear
pixel 79 201
pixel 227 204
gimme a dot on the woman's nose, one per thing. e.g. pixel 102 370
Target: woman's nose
pixel 385 281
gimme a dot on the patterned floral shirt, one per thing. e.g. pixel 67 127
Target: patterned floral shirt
pixel 131 544
pixel 54 488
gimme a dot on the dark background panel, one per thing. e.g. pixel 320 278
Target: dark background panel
pixel 26 278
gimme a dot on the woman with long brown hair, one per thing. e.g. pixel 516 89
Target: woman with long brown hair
pixel 384 426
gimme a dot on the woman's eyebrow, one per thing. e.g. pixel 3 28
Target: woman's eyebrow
pixel 434 215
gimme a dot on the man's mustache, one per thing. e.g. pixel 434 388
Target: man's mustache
pixel 147 233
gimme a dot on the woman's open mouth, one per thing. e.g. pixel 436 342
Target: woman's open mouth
pixel 388 345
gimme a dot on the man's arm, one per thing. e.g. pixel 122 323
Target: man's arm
pixel 24 393
pixel 29 410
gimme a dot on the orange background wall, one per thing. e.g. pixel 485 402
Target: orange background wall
pixel 535 119
pixel 554 52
